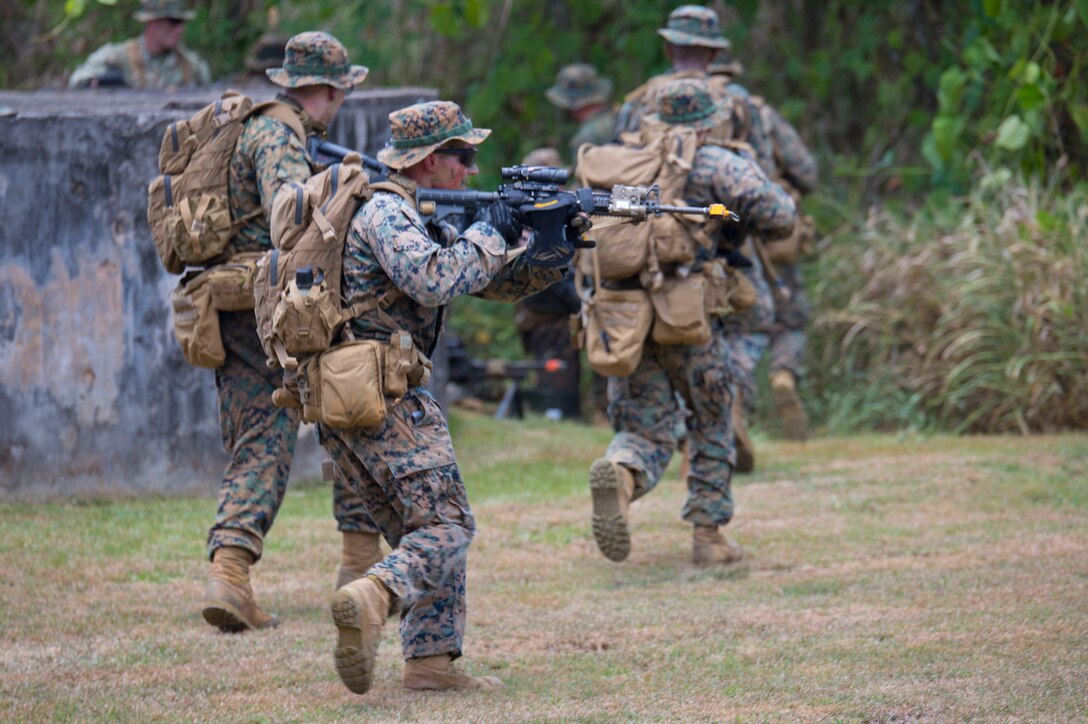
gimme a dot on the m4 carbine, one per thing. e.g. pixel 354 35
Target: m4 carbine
pixel 556 215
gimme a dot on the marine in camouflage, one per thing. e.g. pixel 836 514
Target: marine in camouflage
pixel 176 68
pixel 405 471
pixel 259 436
pixel 642 407
pixel 577 86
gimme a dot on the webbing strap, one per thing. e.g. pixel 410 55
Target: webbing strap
pixel 282 113
pixel 328 233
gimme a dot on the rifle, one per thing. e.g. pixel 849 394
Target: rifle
pixel 536 193
pixel 465 370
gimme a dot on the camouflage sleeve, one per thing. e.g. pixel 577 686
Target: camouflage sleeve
pixel 202 74
pixel 796 162
pixel 426 271
pixel 759 138
pixel 518 280
pixel 740 184
pixel 108 57
pixel 279 157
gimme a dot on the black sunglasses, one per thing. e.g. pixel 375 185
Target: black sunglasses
pixel 467 156
pixel 175 21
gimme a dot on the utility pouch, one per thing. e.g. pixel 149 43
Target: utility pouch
pixel 231 284
pixel 400 358
pixel 784 252
pixel 350 385
pixel 680 316
pixel 199 227
pixel 159 202
pixel 742 293
pixel 622 250
pixel 718 285
pixel 196 323
pixel 306 317
pixel 617 322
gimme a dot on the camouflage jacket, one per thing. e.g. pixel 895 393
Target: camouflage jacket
pixel 719 174
pixel 178 68
pixel 598 130
pixel 391 251
pixel 794 162
pixel 268 156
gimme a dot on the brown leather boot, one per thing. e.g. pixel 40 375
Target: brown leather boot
pixel 709 547
pixel 359 609
pixel 746 452
pixel 791 413
pixel 361 551
pixel 612 486
pixel 438 672
pixel 228 599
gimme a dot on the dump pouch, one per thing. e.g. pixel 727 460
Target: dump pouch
pixel 231 284
pixel 680 314
pixel 196 323
pixel 617 322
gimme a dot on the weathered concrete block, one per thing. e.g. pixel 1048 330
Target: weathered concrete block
pixel 94 393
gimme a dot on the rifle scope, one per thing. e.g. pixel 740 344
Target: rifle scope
pixel 535 174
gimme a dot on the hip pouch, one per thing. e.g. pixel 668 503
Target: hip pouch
pixel 198 227
pixel 307 315
pixel 680 311
pixel 718 286
pixel 196 323
pixel 742 293
pixel 786 251
pixel 343 386
pixel 617 322
pixel 231 284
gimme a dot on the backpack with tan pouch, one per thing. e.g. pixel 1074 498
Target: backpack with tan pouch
pixel 301 315
pixel 188 211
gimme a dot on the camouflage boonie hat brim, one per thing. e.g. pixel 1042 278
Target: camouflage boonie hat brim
pixel 159 9
pixel 694 25
pixel 689 101
pixel 578 86
pixel 316 58
pixel 416 131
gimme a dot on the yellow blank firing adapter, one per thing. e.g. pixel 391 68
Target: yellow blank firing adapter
pixel 717 211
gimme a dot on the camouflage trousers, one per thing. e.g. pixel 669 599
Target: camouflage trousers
pixel 644 412
pixel 260 439
pixel 760 316
pixel 406 474
pixel 791 318
pixel 745 351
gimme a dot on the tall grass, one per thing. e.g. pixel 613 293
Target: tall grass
pixel 969 316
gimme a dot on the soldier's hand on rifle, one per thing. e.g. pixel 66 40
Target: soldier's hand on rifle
pixel 578 226
pixel 500 217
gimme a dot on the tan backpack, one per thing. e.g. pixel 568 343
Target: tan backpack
pixel 188 206
pixel 299 308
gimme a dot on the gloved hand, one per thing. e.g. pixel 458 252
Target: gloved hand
pixel 500 217
pixel 559 254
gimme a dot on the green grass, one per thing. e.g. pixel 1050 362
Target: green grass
pixel 886 577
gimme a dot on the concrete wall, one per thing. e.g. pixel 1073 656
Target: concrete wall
pixel 95 397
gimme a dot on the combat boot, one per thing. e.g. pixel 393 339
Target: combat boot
pixel 438 672
pixel 228 598
pixel 709 547
pixel 788 404
pixel 746 452
pixel 359 609
pixel 361 551
pixel 612 486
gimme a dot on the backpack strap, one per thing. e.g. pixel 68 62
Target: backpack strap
pixel 281 112
pixel 136 62
pixel 399 185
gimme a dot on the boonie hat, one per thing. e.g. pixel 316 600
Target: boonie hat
pixel 159 9
pixel 689 101
pixel 416 131
pixel 577 86
pixel 316 58
pixel 694 25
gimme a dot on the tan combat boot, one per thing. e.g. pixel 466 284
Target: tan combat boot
pixel 746 452
pixel 709 547
pixel 359 609
pixel 228 599
pixel 438 672
pixel 790 411
pixel 361 551
pixel 612 486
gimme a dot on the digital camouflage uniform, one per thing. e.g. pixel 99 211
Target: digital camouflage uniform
pixel 405 469
pixel 642 407
pixel 260 437
pixel 176 68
